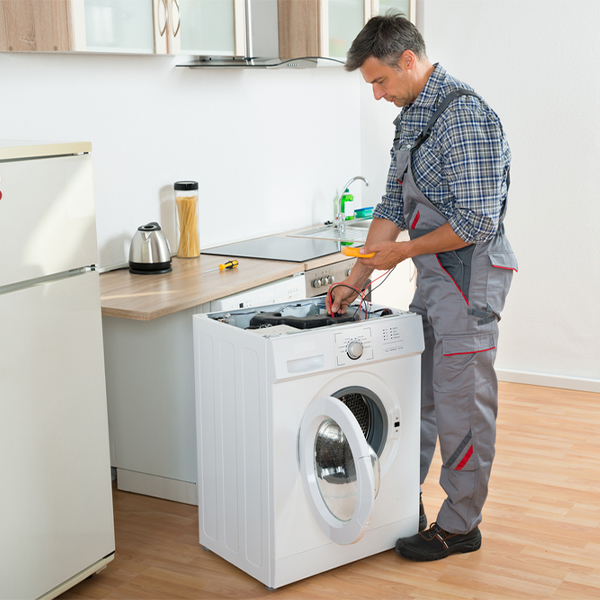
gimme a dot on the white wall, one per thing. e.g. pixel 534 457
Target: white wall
pixel 270 149
pixel 535 62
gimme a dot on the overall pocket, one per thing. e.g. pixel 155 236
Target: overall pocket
pixel 457 264
pixel 503 265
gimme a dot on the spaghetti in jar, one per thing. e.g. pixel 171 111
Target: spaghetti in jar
pixel 186 199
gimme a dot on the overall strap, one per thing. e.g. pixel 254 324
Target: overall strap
pixel 440 109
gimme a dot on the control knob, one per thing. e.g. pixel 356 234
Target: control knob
pixel 354 349
pixel 317 283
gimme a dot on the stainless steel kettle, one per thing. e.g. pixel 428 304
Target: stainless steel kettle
pixel 149 251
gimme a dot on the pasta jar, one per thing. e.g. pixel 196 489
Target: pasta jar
pixel 186 199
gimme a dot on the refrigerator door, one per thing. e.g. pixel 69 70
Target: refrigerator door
pixel 56 505
pixel 47 217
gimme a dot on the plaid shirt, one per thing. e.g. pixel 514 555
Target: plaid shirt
pixel 461 169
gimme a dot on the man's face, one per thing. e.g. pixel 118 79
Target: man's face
pixel 391 84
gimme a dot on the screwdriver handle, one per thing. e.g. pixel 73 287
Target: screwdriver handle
pixel 230 264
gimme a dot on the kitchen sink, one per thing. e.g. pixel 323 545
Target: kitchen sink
pixel 354 231
pixel 359 223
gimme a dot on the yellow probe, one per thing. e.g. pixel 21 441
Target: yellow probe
pixel 349 251
pixel 230 264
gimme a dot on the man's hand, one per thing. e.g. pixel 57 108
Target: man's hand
pixel 387 255
pixel 341 298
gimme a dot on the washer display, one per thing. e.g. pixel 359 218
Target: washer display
pixel 308 438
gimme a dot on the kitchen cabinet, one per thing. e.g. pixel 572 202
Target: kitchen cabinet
pixel 166 26
pixel 148 354
pixel 41 25
pixel 327 27
pixel 126 26
pixel 121 26
pixel 198 27
pixel 207 27
pixel 323 28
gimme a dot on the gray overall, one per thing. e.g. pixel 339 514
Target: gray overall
pixel 460 295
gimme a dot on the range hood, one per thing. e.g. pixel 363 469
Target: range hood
pixel 276 34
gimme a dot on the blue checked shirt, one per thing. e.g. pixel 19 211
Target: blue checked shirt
pixel 461 169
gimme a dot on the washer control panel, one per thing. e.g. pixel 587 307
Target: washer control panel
pixel 353 344
pixel 392 339
pixel 378 339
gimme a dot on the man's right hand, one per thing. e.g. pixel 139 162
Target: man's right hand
pixel 341 298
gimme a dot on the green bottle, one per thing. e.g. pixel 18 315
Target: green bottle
pixel 346 197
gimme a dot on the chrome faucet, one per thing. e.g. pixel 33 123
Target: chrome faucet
pixel 339 223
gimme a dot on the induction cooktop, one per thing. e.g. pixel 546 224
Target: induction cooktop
pixel 278 248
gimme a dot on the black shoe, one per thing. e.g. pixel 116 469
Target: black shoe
pixel 422 515
pixel 435 543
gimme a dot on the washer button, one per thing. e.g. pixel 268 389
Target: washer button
pixel 354 349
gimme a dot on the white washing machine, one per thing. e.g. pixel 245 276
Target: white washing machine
pixel 308 435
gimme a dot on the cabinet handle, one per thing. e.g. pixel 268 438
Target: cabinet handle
pixel 162 31
pixel 178 18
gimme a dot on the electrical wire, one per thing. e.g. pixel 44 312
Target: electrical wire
pixel 362 293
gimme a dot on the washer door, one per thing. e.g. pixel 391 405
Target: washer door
pixel 340 471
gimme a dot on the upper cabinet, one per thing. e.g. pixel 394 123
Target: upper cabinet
pixel 327 27
pixel 208 27
pixel 126 26
pixel 222 28
pixel 30 25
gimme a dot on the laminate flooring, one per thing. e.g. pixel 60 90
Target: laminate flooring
pixel 541 527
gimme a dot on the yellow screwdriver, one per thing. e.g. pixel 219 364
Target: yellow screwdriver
pixel 230 264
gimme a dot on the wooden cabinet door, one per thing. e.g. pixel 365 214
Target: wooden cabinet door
pixel 119 26
pixel 313 28
pixel 36 25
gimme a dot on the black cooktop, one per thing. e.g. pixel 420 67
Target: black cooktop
pixel 290 249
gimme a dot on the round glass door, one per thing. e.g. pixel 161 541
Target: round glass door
pixel 340 471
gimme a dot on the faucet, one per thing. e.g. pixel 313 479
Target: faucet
pixel 339 223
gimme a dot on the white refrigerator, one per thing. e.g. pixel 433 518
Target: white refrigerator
pixel 56 517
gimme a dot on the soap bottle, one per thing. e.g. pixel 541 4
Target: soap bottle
pixel 347 197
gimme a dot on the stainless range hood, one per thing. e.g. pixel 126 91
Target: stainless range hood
pixel 277 34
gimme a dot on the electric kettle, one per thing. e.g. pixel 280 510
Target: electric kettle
pixel 149 251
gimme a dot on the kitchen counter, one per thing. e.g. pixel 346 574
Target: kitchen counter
pixel 147 297
pixel 149 363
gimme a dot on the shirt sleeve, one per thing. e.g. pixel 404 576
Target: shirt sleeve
pixel 391 206
pixel 475 157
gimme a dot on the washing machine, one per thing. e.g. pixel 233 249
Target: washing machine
pixel 308 435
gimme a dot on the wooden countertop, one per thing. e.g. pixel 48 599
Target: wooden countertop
pixel 146 297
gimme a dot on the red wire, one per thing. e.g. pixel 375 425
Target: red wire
pixel 361 293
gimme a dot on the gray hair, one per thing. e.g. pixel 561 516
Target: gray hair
pixel 385 38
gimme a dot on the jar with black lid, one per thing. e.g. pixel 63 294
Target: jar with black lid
pixel 186 200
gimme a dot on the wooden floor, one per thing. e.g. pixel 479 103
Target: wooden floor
pixel 541 527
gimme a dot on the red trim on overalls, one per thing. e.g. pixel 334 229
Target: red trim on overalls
pixel 472 352
pixel 415 220
pixel 465 459
pixel 506 268
pixel 456 284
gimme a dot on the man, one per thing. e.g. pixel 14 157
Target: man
pixel 447 185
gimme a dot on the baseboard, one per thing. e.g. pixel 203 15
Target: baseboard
pixel 158 487
pixel 544 380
